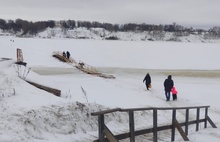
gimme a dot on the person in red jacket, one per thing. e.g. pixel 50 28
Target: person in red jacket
pixel 174 93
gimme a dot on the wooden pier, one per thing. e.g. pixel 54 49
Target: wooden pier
pixel 81 65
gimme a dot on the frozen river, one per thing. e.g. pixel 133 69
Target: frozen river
pixel 120 71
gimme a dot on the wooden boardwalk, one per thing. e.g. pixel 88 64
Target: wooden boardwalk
pixel 91 70
pixel 81 66
pixel 59 56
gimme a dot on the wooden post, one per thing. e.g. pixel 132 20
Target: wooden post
pixel 173 125
pixel 155 125
pixel 179 128
pixel 187 121
pixel 206 114
pixel 19 55
pixel 197 119
pixel 131 126
pixel 101 128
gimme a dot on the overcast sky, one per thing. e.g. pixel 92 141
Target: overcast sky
pixel 195 13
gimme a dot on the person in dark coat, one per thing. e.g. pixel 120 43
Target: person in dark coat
pixel 147 80
pixel 168 85
pixel 64 54
pixel 67 54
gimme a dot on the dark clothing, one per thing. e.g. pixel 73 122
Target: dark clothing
pixel 68 54
pixel 168 85
pixel 147 80
pixel 174 97
pixel 64 54
pixel 167 94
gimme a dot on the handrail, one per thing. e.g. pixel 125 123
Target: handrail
pixel 141 109
pixel 105 133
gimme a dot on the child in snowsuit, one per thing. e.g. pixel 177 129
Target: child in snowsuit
pixel 174 93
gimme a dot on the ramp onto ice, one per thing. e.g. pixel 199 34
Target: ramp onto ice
pixel 59 55
pixel 80 65
pixel 92 70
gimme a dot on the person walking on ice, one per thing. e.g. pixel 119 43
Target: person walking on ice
pixel 168 85
pixel 68 54
pixel 174 93
pixel 147 80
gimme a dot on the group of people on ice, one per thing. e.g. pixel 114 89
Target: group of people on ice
pixel 67 54
pixel 168 86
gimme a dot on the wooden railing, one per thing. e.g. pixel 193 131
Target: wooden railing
pixel 106 135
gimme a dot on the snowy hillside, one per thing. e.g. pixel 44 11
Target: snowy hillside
pixel 30 114
pixel 102 34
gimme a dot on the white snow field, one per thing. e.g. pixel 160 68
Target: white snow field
pixel 29 114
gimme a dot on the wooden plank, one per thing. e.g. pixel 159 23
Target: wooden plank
pixel 21 63
pixel 92 72
pixel 179 128
pixel 151 130
pixel 211 122
pixel 163 108
pixel 192 107
pixel 136 109
pixel 4 58
pixel 46 88
pixel 105 111
pixel 109 135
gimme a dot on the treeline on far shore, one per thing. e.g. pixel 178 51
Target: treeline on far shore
pixel 32 28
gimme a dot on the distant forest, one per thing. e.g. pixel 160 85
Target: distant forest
pixel 27 27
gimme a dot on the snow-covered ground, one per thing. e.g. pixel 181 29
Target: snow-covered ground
pixel 33 115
